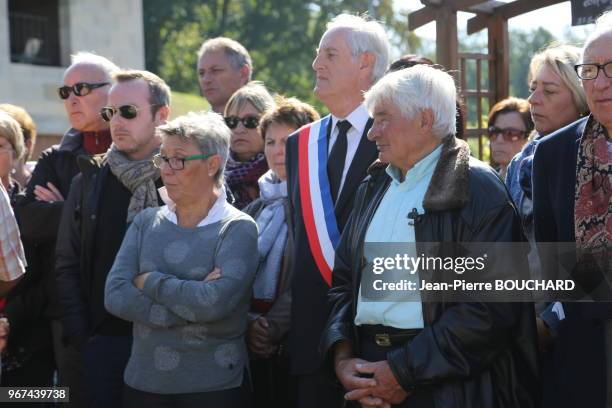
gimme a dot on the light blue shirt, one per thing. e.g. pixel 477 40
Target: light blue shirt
pixel 390 224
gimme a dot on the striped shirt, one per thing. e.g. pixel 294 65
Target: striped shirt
pixel 12 257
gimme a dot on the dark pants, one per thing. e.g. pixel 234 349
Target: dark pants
pixel 104 359
pixel 318 390
pixel 272 384
pixel 371 351
pixel 233 398
pixel 37 371
pixel 69 368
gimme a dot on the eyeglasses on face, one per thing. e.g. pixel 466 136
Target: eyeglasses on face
pixel 176 163
pixel 509 134
pixel 79 89
pixel 591 71
pixel 249 122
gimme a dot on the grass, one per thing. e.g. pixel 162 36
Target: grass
pixel 184 102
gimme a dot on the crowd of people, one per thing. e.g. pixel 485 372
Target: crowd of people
pixel 217 259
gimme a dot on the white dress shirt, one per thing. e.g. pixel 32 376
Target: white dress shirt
pixel 358 120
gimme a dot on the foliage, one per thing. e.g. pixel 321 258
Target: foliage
pixel 281 36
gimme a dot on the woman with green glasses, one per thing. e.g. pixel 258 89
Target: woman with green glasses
pixel 189 318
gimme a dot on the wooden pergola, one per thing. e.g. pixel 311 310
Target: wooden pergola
pixel 492 15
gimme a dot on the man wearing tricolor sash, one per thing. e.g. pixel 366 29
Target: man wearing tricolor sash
pixel 326 161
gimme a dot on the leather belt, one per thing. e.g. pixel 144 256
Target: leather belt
pixel 386 336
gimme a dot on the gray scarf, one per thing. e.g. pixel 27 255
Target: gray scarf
pixel 272 236
pixel 138 176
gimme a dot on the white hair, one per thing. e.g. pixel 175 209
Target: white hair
pixel 90 58
pixel 603 26
pixel 207 130
pixel 415 89
pixel 364 36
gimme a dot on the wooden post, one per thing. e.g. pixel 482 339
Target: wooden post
pixel 446 38
pixel 499 49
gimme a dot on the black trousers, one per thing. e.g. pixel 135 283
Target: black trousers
pixel 371 351
pixel 318 390
pixel 233 398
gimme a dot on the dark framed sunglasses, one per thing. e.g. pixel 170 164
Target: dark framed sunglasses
pixel 176 163
pixel 79 89
pixel 126 111
pixel 249 122
pixel 509 134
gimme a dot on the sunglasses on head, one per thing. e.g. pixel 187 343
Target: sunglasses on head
pixel 509 134
pixel 249 122
pixel 79 89
pixel 126 111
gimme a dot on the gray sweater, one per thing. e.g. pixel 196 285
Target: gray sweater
pixel 188 334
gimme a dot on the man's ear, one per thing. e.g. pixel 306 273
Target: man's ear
pixel 427 120
pixel 213 163
pixel 245 74
pixel 367 61
pixel 162 115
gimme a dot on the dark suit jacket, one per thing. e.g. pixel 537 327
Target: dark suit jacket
pixel 309 309
pixel 575 369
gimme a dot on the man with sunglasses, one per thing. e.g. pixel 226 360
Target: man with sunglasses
pixel 103 201
pixel 85 86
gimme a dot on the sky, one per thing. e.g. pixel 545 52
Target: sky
pixel 560 14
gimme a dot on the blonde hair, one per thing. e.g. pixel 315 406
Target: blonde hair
pixel 28 127
pixel 561 58
pixel 11 131
pixel 254 93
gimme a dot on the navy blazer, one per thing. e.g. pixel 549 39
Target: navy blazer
pixel 575 369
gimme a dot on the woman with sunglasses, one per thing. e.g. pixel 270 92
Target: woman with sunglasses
pixel 189 348
pixel 246 163
pixel 269 317
pixel 509 125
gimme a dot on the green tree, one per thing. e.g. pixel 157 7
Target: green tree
pixel 281 36
pixel 523 46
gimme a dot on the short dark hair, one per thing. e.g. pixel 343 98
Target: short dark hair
pixel 512 104
pixel 159 91
pixel 290 112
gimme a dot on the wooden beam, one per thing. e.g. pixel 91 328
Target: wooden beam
pixel 508 11
pixel 499 66
pixel 446 38
pixel 465 5
pixel 421 17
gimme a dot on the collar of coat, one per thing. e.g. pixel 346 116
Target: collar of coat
pixel 449 186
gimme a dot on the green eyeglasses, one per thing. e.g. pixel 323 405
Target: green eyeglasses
pixel 176 163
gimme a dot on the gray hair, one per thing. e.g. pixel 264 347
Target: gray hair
pixel 561 58
pixel 207 130
pixel 255 93
pixel 364 36
pixel 90 58
pixel 415 89
pixel 234 51
pixel 603 26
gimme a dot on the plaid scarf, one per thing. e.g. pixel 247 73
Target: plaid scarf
pixel 242 178
pixel 593 199
pixel 138 176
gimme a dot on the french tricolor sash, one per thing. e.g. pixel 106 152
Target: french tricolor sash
pixel 315 196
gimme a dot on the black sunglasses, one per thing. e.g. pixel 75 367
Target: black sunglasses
pixel 79 89
pixel 126 111
pixel 249 122
pixel 509 134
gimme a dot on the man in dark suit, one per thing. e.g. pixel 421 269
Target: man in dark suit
pixel 572 203
pixel 325 163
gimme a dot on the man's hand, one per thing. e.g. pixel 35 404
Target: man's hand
pixel 139 281
pixel 386 387
pixel 4 332
pixel 49 194
pixel 258 337
pixel 213 275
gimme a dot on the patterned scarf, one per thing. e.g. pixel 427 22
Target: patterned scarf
pixel 242 178
pixel 593 200
pixel 138 176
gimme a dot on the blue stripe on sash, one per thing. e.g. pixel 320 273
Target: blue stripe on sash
pixel 328 204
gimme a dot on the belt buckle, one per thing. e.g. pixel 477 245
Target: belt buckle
pixel 382 339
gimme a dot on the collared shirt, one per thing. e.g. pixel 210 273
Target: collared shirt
pixel 220 209
pixel 12 256
pixel 390 224
pixel 358 120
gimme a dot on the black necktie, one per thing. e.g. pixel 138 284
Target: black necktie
pixel 335 162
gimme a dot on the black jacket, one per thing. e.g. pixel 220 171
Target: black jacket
pixel 80 288
pixel 576 366
pixel 39 220
pixel 309 309
pixel 471 354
